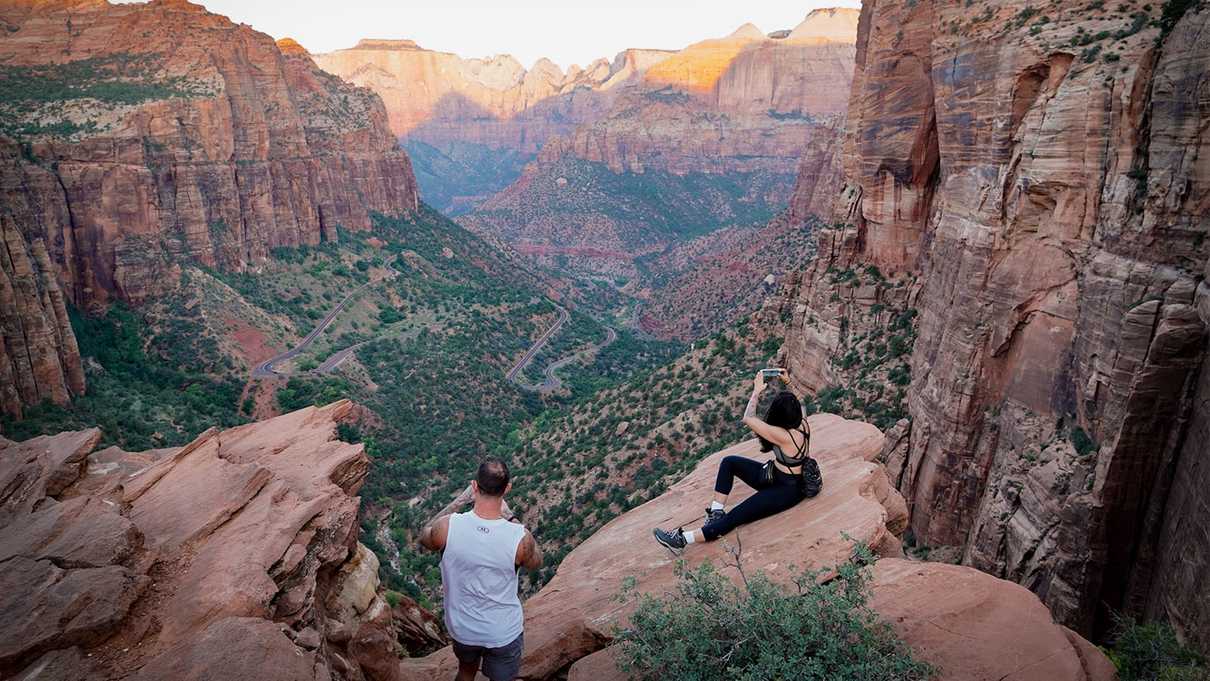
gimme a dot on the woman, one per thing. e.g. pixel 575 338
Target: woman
pixel 780 483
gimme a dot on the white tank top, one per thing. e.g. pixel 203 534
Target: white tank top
pixel 479 578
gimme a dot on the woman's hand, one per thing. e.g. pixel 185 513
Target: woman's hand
pixel 758 383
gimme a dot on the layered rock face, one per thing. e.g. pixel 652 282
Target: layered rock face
pixel 1038 185
pixel 235 556
pixel 150 133
pixel 738 103
pixel 39 357
pixel 1005 632
pixel 439 97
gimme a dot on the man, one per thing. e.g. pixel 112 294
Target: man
pixel 481 551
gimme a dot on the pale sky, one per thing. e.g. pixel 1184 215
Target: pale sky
pixel 566 31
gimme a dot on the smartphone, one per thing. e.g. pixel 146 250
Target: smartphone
pixel 772 372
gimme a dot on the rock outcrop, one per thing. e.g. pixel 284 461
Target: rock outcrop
pixel 138 135
pixel 1005 631
pixel 1036 182
pixel 235 556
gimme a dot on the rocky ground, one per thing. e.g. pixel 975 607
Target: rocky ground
pixel 235 556
pixel 970 625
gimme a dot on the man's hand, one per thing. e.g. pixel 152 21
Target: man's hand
pixel 529 554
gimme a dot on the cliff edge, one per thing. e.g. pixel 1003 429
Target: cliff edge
pixel 1005 631
pixel 235 556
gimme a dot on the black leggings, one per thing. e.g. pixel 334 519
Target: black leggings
pixel 771 498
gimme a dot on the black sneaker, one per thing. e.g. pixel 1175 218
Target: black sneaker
pixel 673 541
pixel 714 514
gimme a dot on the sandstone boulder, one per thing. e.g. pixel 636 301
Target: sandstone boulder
pixel 232 557
pixel 969 625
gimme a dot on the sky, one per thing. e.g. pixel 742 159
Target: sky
pixel 565 31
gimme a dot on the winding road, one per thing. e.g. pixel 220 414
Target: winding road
pixel 550 379
pixel 265 369
pixel 550 382
pixel 537 346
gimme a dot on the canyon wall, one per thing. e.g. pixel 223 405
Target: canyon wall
pixel 1035 183
pixel 439 97
pixel 139 135
pixel 740 103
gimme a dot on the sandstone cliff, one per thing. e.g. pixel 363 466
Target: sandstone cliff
pixel 1035 182
pixel 235 556
pixel 1005 632
pixel 725 105
pixel 439 97
pixel 138 135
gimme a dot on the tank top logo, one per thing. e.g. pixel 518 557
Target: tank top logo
pixel 484 530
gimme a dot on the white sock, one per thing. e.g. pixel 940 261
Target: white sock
pixel 688 536
pixel 715 506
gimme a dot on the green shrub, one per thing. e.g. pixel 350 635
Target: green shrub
pixel 708 629
pixel 393 598
pixel 1151 652
pixel 1084 445
pixel 1173 11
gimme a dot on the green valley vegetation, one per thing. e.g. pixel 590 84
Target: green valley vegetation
pixel 151 383
pixel 821 629
pixel 644 207
pixel 581 466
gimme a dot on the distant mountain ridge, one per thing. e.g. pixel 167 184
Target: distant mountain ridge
pixel 447 102
pixel 707 138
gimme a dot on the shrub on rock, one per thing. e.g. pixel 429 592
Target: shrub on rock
pixel 708 629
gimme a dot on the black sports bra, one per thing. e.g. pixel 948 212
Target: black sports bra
pixel 801 455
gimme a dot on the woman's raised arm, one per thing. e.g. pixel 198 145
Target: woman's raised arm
pixel 778 436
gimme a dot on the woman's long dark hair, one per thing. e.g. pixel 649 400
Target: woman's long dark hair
pixel 784 412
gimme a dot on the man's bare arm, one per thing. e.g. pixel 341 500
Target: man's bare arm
pixel 529 554
pixel 433 536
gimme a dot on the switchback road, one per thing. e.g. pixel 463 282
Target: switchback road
pixel 537 346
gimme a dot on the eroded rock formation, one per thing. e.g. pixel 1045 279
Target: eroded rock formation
pixel 150 133
pixel 235 556
pixel 439 97
pixel 1005 631
pixel 1036 181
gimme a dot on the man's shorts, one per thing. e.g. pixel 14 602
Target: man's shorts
pixel 498 664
